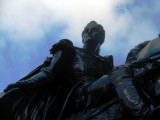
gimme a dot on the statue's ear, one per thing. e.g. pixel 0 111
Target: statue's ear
pixel 62 44
pixel 82 40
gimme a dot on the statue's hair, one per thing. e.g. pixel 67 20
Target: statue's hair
pixel 133 54
pixel 94 23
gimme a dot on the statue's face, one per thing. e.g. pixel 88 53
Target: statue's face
pixel 92 35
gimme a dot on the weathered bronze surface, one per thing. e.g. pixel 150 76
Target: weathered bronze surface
pixel 79 84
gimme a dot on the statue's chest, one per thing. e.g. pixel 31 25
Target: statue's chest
pixel 92 65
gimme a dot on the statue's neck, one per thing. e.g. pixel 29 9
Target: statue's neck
pixel 92 49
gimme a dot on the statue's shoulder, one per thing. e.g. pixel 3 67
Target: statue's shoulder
pixel 108 58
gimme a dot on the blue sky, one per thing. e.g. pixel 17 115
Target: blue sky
pixel 28 29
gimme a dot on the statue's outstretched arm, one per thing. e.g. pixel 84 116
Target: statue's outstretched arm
pixel 40 78
pixel 63 53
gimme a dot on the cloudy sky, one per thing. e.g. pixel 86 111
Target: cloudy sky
pixel 28 29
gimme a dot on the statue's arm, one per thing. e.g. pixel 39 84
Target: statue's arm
pixel 63 53
pixel 40 78
pixel 91 94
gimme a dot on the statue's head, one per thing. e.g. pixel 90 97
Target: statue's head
pixel 93 33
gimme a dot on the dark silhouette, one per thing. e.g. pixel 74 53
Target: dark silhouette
pixel 137 86
pixel 79 84
pixel 42 94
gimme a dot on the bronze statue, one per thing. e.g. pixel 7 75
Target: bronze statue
pixel 137 87
pixel 42 93
pixel 78 83
pixel 137 82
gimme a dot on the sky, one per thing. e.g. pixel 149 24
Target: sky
pixel 28 29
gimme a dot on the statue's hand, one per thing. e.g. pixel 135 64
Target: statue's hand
pixel 11 86
pixel 120 74
pixel 62 44
pixel 47 61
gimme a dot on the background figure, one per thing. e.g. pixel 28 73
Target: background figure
pixel 137 86
pixel 137 82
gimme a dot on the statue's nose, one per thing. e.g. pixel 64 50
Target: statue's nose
pixel 90 31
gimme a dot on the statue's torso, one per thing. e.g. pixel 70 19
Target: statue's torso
pixel 90 66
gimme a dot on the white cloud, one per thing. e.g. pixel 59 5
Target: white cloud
pixel 29 19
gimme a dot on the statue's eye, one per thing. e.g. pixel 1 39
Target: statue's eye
pixel 87 30
pixel 95 29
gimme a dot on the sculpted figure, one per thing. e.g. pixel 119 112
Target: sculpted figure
pixel 137 87
pixel 44 93
pixel 78 83
pixel 137 82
